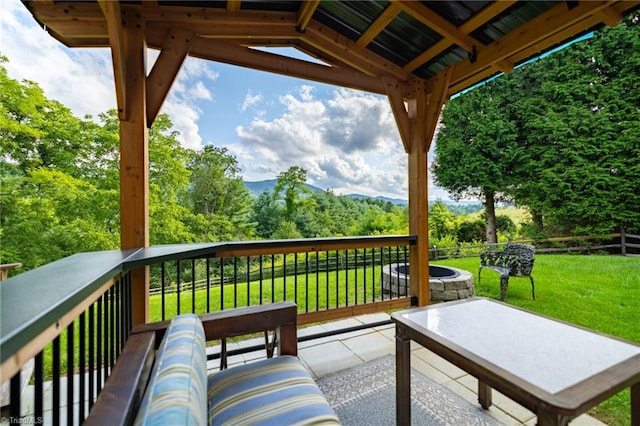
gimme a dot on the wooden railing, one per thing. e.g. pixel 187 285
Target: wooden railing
pixel 73 316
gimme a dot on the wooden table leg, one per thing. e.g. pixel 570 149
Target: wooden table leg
pixel 403 376
pixel 546 418
pixel 484 395
pixel 635 405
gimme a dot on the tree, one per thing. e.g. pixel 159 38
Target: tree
pixel 292 182
pixel 580 121
pixel 477 149
pixel 217 190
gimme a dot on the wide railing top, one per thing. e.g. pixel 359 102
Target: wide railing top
pixel 35 300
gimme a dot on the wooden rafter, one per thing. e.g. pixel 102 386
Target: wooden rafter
pixel 174 51
pixel 307 9
pixel 437 23
pixel 359 58
pixel 111 11
pixel 387 15
pixel 472 24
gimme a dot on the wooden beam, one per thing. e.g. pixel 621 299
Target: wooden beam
pixel 384 19
pixel 111 10
pixel 358 58
pixel 438 24
pixel 164 71
pixel 134 159
pixel 471 25
pixel 396 99
pixel 256 59
pixel 609 16
pixel 307 9
pixel 535 33
pixel 233 6
pixel 437 98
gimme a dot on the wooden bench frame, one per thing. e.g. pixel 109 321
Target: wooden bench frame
pixel 122 394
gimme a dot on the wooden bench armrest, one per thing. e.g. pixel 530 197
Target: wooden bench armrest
pixel 122 394
pixel 281 316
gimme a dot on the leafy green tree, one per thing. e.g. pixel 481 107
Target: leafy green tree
pixel 441 221
pixel 266 215
pixel 216 189
pixel 580 121
pixel 477 149
pixel 292 182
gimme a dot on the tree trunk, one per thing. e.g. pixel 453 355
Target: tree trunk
pixel 490 209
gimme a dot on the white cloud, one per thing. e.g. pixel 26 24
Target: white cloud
pixel 82 78
pixel 251 100
pixel 348 143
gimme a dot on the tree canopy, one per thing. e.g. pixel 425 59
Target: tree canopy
pixel 559 136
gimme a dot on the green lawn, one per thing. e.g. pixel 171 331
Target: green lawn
pixel 598 292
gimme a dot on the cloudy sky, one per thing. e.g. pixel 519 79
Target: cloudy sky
pixel 346 140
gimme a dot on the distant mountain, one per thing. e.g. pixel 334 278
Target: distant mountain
pixel 256 188
pixel 396 201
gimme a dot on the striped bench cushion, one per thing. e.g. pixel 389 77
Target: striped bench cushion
pixel 177 393
pixel 277 391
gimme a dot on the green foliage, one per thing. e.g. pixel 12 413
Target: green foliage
pixel 469 231
pixel 559 136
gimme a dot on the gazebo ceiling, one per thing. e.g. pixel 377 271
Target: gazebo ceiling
pixel 365 44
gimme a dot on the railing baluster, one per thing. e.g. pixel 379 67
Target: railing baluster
pixel 99 345
pixel 221 284
pixel 248 268
pixel 70 370
pixel 273 278
pixel 105 354
pixel 337 279
pixel 117 317
pixel 346 277
pixel 284 276
pixel 235 282
pixel 193 286
pixel 355 293
pixel 15 396
pixel 261 278
pixel 55 372
pixel 295 277
pixel 81 365
pixel 112 342
pixel 317 281
pixel 178 285
pixel 306 281
pixel 91 366
pixel 163 283
pixel 38 385
pixel 208 267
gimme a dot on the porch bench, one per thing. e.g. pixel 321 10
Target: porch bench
pixel 161 375
pixel 516 260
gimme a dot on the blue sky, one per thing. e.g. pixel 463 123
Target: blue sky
pixel 346 140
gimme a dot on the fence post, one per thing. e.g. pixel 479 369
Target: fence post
pixel 623 242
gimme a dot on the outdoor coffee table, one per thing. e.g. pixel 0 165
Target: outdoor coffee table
pixel 555 369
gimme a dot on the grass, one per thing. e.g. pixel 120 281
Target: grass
pixel 598 292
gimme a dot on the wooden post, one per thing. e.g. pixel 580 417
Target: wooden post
pixel 418 197
pixel 134 156
pixel 424 104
